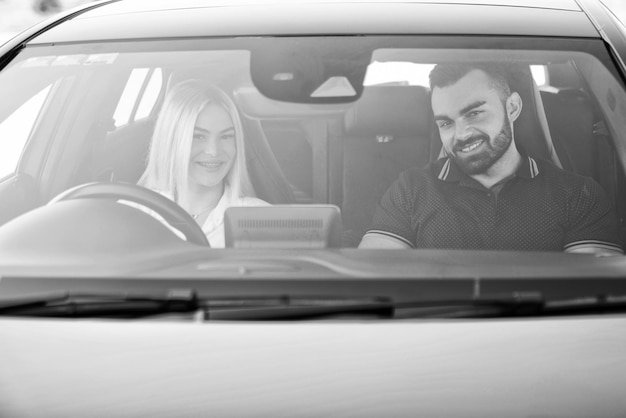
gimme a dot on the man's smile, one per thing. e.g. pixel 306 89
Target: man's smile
pixel 472 146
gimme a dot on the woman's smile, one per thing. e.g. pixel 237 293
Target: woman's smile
pixel 210 165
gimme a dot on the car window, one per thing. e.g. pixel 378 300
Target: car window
pixel 139 96
pixel 326 131
pixel 15 130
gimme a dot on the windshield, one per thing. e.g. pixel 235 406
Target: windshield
pixel 488 145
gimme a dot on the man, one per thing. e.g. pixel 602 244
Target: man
pixel 486 194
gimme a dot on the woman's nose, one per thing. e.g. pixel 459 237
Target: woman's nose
pixel 210 146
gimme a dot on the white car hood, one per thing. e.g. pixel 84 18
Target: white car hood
pixel 564 367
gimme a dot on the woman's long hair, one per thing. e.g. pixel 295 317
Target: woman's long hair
pixel 167 168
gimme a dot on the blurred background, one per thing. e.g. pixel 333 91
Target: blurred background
pixel 618 7
pixel 17 15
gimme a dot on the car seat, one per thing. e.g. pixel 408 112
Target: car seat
pixel 583 142
pixel 576 130
pixel 387 131
pixel 266 175
pixel 122 154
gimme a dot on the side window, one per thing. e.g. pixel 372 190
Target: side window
pixel 399 73
pixel 140 95
pixel 540 74
pixel 16 129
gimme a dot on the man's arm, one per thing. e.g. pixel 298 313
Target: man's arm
pixel 392 226
pixel 594 227
pixel 374 240
pixel 595 250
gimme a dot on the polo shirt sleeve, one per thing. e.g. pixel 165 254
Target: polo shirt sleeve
pixel 592 220
pixel 394 213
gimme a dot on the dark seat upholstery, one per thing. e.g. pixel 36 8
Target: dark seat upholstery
pixel 122 155
pixel 266 175
pixel 571 133
pixel 571 120
pixel 386 132
pixel 583 142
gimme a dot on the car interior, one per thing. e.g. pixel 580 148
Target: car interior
pixel 348 154
pixel 366 150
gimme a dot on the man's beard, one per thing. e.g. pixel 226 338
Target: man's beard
pixel 492 151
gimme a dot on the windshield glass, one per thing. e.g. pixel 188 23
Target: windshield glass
pixel 327 142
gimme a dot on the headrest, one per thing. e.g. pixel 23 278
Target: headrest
pixel 532 133
pixel 391 110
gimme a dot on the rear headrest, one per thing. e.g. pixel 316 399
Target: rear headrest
pixel 391 110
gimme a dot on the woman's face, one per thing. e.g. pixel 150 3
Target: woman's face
pixel 213 148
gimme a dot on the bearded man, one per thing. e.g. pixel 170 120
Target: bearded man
pixel 486 193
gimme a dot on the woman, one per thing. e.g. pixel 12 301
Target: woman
pixel 197 156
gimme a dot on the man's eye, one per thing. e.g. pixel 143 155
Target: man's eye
pixel 443 124
pixel 474 113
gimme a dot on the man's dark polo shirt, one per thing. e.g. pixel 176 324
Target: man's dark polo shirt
pixel 541 207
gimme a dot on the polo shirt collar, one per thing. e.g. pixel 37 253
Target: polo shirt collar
pixel 447 170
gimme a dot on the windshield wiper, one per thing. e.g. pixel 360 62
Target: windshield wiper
pixel 67 304
pixel 521 304
pixel 516 305
pixel 298 308
pixel 285 307
pixel 606 304
pixel 295 309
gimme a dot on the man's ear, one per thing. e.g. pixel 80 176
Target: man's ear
pixel 513 106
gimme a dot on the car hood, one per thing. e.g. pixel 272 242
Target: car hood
pixel 572 367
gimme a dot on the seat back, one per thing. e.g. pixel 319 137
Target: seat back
pixel 122 154
pixel 571 119
pixel 266 175
pixel 386 132
pixel 583 142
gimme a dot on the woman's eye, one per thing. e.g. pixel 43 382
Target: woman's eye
pixel 228 137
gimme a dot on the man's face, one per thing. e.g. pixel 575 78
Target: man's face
pixel 472 121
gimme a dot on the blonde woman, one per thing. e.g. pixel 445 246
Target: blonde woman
pixel 197 156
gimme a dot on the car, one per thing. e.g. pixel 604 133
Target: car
pixel 116 302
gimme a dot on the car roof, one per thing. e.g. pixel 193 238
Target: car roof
pixel 146 19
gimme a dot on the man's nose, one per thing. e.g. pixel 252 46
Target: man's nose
pixel 462 131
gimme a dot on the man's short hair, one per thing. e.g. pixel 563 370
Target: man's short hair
pixel 444 75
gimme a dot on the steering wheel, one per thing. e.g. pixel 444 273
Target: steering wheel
pixel 171 212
